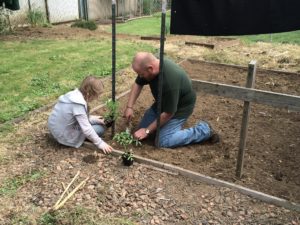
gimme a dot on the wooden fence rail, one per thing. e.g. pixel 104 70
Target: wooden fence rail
pixel 291 102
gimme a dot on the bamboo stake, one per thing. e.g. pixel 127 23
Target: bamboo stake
pixel 64 187
pixel 69 185
pixel 56 207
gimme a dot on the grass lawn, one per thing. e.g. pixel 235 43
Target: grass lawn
pixel 285 37
pixel 145 26
pixel 35 72
pixel 151 26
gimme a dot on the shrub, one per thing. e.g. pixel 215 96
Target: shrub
pixel 5 26
pixel 91 25
pixel 36 18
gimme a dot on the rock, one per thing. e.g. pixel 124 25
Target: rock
pixel 184 216
pixel 91 187
pixel 88 196
pixel 229 213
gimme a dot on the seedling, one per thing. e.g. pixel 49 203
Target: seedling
pixel 125 138
pixel 112 112
pixel 127 158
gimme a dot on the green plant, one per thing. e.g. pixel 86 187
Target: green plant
pixel 5 26
pixel 80 216
pixel 47 219
pixel 112 112
pixel 128 155
pixel 91 25
pixel 125 138
pixel 36 18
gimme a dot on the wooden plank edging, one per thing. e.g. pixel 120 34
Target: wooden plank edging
pixel 208 180
pixel 211 46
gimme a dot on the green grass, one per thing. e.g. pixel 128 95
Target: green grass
pixel 10 186
pixel 152 25
pixel 285 38
pixel 80 216
pixel 149 26
pixel 35 72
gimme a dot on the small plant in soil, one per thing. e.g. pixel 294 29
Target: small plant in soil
pixel 127 158
pixel 124 139
pixel 112 112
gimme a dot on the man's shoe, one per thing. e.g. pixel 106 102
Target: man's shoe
pixel 214 136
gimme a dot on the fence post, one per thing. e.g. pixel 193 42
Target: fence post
pixel 161 65
pixel 113 82
pixel 47 11
pixel 29 5
pixel 246 114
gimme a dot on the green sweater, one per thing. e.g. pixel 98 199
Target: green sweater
pixel 178 97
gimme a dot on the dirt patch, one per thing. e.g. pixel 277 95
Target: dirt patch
pixel 273 144
pixel 90 159
pixel 137 194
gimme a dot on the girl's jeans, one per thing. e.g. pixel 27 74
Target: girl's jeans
pixel 99 129
pixel 172 135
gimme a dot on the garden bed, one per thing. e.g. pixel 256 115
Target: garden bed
pixel 273 144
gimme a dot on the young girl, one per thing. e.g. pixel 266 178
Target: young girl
pixel 69 122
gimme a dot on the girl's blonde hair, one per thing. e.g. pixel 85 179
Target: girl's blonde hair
pixel 91 87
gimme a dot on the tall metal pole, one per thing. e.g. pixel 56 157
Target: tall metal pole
pixel 161 66
pixel 113 86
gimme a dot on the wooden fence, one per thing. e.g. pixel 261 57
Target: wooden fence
pixel 248 94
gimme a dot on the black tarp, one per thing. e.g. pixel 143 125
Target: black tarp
pixel 234 17
pixel 10 4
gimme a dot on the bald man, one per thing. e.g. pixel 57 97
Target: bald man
pixel 178 101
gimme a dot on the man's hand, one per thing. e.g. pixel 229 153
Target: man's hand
pixel 140 134
pixel 128 113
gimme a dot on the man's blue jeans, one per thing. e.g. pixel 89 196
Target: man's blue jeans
pixel 172 135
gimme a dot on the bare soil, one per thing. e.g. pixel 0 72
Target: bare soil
pixel 273 144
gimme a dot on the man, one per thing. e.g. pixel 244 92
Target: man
pixel 178 101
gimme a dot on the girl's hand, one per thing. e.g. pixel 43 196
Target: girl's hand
pixel 105 147
pixel 97 119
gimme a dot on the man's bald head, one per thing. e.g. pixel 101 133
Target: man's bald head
pixel 142 60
